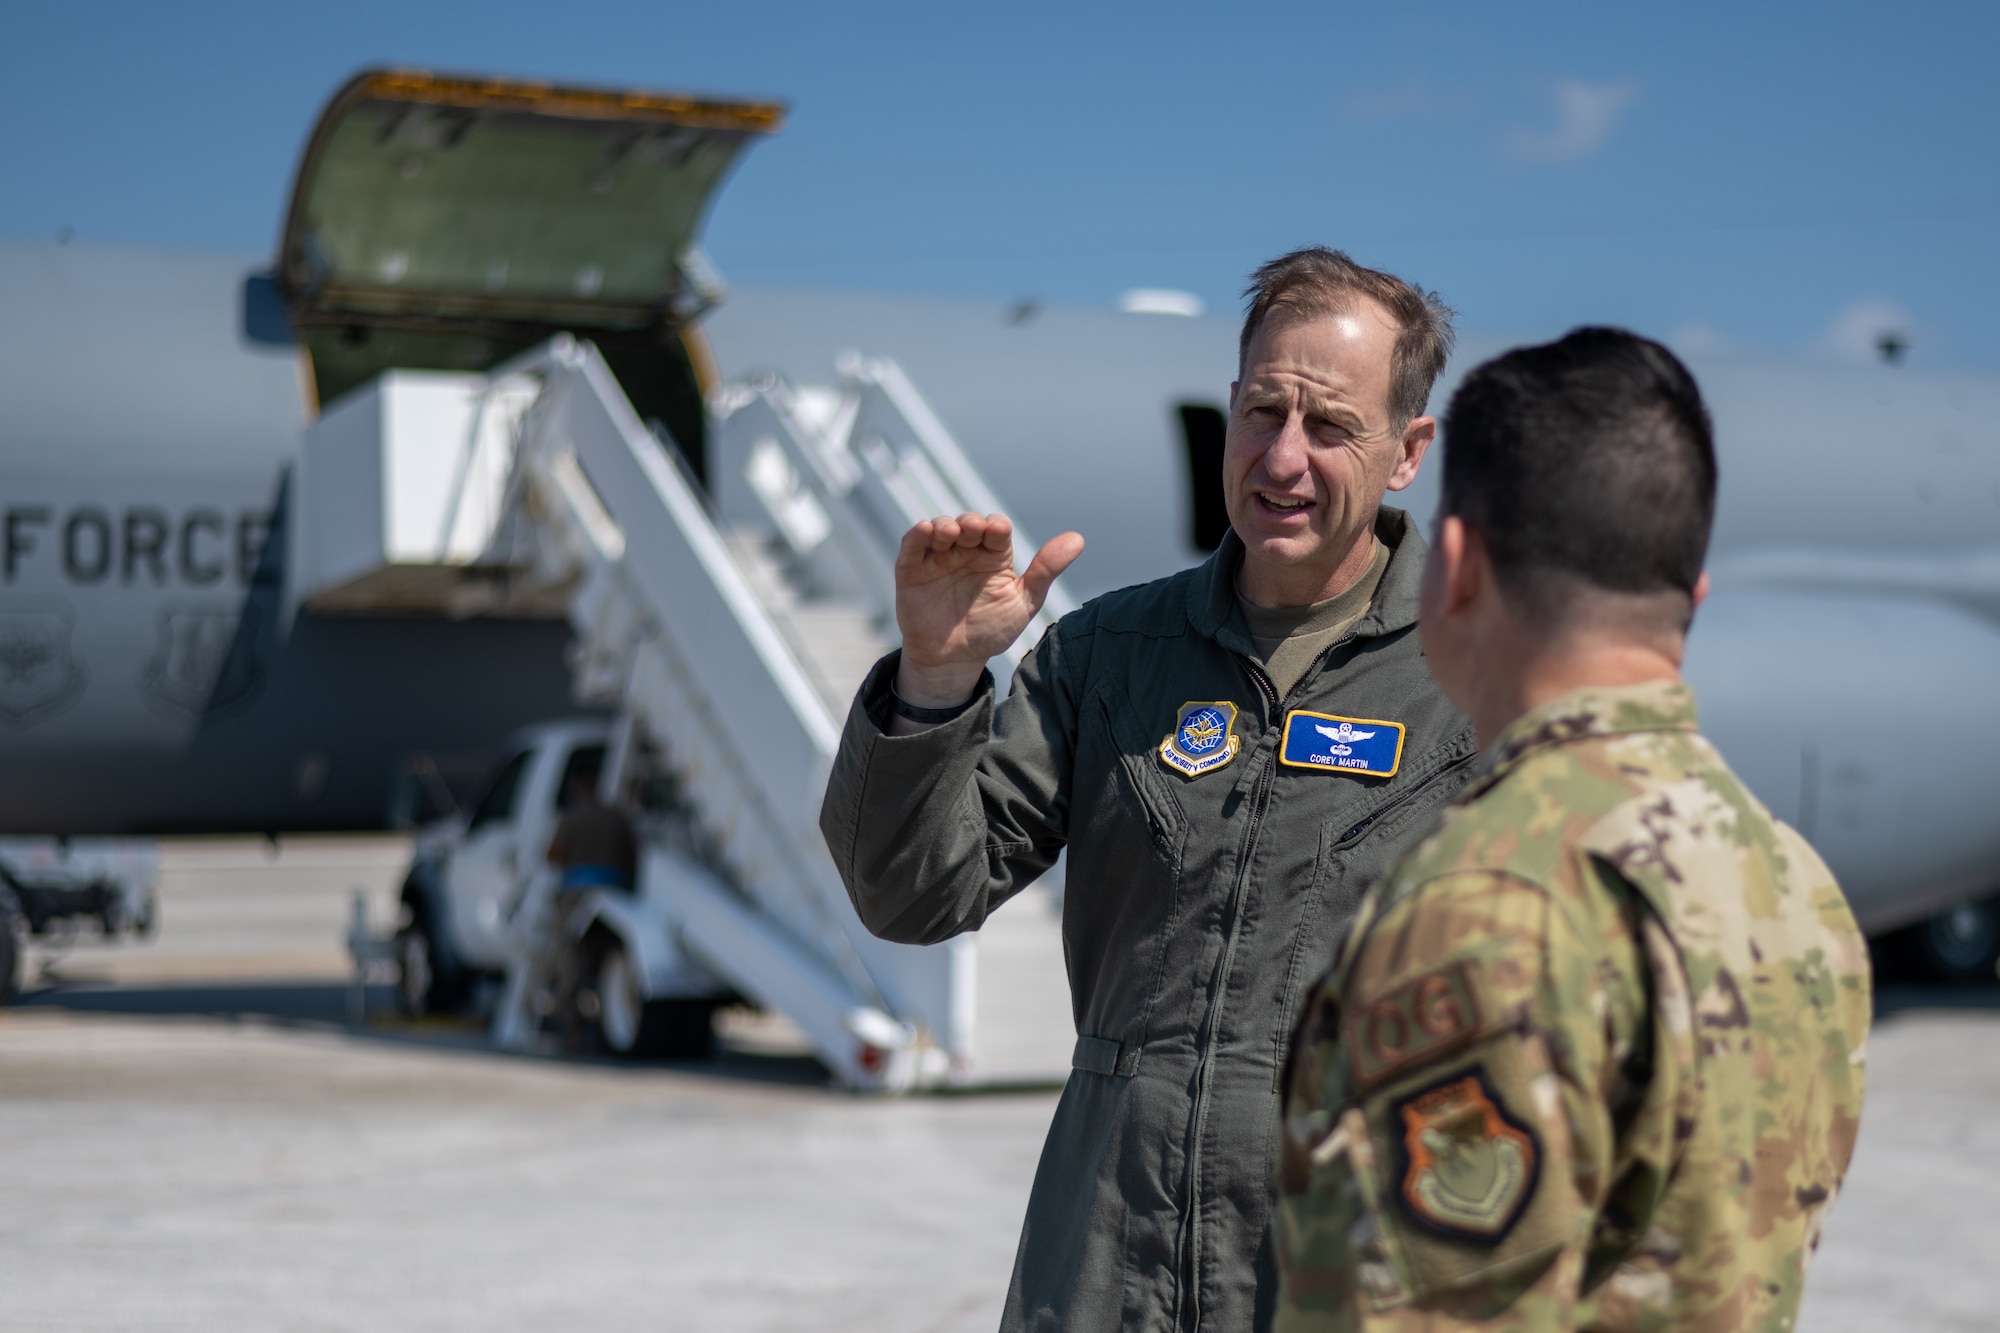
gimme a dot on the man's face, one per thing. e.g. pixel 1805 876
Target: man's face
pixel 1311 445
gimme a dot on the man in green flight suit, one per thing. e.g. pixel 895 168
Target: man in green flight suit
pixel 1592 1054
pixel 1182 740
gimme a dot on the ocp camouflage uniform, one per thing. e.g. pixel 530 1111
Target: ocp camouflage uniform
pixel 1591 1056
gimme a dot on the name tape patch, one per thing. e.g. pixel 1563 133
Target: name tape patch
pixel 1417 1021
pixel 1203 739
pixel 1367 747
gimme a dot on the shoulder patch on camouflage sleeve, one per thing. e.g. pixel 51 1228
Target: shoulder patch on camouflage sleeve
pixel 1467 1167
pixel 1419 1020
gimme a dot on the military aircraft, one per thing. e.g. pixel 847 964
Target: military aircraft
pixel 158 673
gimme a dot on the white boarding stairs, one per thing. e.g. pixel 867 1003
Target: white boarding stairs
pixel 730 640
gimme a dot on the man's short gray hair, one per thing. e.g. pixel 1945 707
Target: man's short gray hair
pixel 1317 282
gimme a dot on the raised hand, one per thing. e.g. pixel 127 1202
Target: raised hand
pixel 959 601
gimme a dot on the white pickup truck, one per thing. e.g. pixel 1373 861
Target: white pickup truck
pixel 476 875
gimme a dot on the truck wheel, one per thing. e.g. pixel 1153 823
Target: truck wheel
pixel 632 1026
pixel 424 983
pixel 1960 945
pixel 10 961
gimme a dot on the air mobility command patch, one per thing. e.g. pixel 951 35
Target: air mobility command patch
pixel 1468 1167
pixel 1203 739
pixel 1363 746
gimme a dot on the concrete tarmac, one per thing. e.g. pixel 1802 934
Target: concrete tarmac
pixel 190 1137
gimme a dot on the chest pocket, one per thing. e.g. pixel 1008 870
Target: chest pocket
pixel 1128 839
pixel 1136 781
pixel 1340 875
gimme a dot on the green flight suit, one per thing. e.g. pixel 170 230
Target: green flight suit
pixel 1197 907
pixel 1591 1058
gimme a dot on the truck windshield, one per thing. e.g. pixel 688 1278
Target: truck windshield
pixel 584 759
pixel 497 805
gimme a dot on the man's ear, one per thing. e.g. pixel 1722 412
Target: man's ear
pixel 1468 566
pixel 1700 590
pixel 1416 441
pixel 1234 385
pixel 1449 554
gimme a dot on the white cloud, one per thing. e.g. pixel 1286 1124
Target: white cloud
pixel 1587 115
pixel 1856 333
pixel 1160 301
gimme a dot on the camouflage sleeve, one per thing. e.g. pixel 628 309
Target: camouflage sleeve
pixel 1448 1135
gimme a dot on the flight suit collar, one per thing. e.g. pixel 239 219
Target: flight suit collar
pixel 1212 593
pixel 1588 711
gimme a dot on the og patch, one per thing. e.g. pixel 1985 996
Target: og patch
pixel 1468 1167
pixel 1363 746
pixel 1203 739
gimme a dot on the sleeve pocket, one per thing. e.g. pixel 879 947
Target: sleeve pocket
pixel 1473 1173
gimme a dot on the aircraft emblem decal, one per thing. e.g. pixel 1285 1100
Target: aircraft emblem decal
pixel 1363 746
pixel 190 669
pixel 39 677
pixel 1203 739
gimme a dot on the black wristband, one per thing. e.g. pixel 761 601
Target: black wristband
pixel 902 707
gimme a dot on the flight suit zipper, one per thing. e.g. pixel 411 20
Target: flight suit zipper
pixel 1188 1315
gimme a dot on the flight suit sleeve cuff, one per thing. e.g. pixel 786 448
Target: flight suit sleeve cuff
pixel 875 703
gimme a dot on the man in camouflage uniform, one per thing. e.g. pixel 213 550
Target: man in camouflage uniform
pixel 1591 1056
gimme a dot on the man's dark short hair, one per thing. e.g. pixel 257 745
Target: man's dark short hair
pixel 1591 458
pixel 1317 282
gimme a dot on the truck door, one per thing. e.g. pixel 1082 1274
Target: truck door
pixel 539 804
pixel 483 874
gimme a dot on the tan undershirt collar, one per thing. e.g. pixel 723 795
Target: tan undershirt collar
pixel 1288 639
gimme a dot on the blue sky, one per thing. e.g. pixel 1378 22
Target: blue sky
pixel 1780 180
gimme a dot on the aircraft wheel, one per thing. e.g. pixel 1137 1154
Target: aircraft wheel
pixel 1960 945
pixel 632 1026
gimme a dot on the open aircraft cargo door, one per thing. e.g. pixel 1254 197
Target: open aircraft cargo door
pixel 442 223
